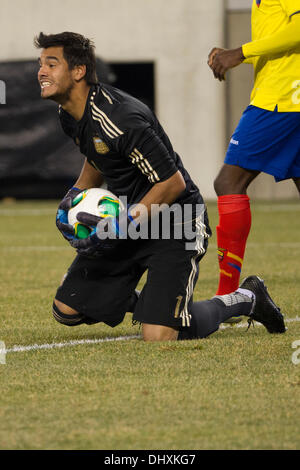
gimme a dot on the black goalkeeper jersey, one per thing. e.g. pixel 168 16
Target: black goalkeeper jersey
pixel 123 139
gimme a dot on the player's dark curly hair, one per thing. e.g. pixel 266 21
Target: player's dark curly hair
pixel 78 50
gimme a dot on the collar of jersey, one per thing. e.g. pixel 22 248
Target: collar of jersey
pixel 85 114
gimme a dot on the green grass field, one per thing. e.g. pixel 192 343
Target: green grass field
pixel 236 389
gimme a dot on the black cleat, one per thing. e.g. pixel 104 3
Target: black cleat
pixel 264 310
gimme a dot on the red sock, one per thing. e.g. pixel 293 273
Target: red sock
pixel 232 233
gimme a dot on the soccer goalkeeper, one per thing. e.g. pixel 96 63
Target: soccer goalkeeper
pixel 126 147
pixel 267 136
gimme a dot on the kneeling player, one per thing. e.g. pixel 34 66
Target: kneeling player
pixel 126 147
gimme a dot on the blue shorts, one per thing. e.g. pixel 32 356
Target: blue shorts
pixel 267 141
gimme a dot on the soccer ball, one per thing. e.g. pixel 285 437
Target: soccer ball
pixel 95 201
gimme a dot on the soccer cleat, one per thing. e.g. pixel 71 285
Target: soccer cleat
pixel 264 310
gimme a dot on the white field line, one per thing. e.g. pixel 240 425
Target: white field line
pixel 77 342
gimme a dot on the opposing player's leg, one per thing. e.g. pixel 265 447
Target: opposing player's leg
pixel 234 223
pixel 297 183
pixel 233 179
pixel 264 141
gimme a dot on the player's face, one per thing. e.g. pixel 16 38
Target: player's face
pixel 54 75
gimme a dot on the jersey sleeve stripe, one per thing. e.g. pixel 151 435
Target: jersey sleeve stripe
pixel 107 97
pixel 152 171
pixel 141 167
pixel 138 159
pixel 105 128
pixel 109 123
pixel 141 161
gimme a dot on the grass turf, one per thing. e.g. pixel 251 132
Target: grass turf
pixel 233 390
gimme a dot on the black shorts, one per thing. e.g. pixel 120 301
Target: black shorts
pixel 101 288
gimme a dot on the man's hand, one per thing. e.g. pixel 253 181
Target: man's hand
pixel 105 236
pixel 62 214
pixel 221 60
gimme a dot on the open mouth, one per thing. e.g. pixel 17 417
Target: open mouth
pixel 45 85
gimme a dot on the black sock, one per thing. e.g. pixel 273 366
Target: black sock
pixel 209 314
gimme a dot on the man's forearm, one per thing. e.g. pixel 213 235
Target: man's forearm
pixel 283 41
pixel 161 193
pixel 89 177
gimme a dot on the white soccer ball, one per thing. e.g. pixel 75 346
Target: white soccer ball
pixel 95 201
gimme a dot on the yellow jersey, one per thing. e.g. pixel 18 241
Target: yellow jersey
pixel 276 76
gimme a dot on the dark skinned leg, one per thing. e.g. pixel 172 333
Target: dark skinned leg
pixel 233 180
pixel 297 183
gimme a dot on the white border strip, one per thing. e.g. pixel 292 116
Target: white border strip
pixel 76 342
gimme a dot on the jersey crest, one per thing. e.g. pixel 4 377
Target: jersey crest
pixel 100 146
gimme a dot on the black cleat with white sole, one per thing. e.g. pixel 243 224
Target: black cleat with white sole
pixel 264 310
